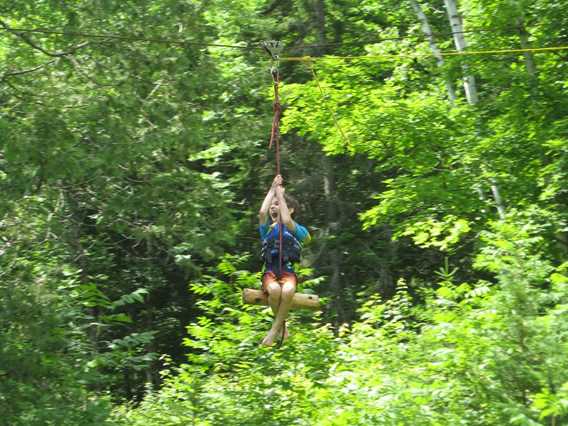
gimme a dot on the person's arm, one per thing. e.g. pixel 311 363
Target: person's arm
pixel 263 212
pixel 284 212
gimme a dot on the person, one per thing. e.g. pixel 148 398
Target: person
pixel 279 279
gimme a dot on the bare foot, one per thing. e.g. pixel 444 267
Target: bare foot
pixel 268 340
pixel 270 337
pixel 278 336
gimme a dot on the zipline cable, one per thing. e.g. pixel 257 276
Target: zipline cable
pixel 290 58
pixel 127 38
pixel 363 42
pixel 421 55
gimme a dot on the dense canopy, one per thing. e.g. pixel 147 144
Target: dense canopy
pixel 425 140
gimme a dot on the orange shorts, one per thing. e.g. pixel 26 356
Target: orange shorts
pixel 285 277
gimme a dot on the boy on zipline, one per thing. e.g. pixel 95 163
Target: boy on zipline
pixel 279 279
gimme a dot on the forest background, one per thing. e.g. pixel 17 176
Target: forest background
pixel 133 159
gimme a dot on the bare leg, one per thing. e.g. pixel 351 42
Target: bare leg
pixel 274 293
pixel 288 291
pixel 287 294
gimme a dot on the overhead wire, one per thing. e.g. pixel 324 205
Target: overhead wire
pixel 129 38
pixel 250 46
pixel 407 37
pixel 420 55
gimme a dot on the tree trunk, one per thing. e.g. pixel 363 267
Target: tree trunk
pixel 460 43
pixel 498 199
pixel 470 85
pixel 529 58
pixel 319 11
pixel 427 31
pixel 386 279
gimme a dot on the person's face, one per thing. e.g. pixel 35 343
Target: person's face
pixel 275 210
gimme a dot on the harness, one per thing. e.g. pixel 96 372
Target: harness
pixel 291 247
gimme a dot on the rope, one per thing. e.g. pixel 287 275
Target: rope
pixel 420 55
pixel 333 115
pixel 275 141
pixel 277 109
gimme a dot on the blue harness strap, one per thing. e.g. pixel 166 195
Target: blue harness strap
pixel 291 249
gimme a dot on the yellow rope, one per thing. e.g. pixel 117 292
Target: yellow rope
pixel 402 55
pixel 336 122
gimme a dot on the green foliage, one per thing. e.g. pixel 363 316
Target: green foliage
pixel 231 379
pixel 131 168
pixel 442 234
pixel 114 137
pixel 43 348
pixel 475 354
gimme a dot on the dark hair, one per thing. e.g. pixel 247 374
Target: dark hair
pixel 292 203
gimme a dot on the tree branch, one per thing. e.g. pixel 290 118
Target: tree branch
pixel 29 70
pixel 36 46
